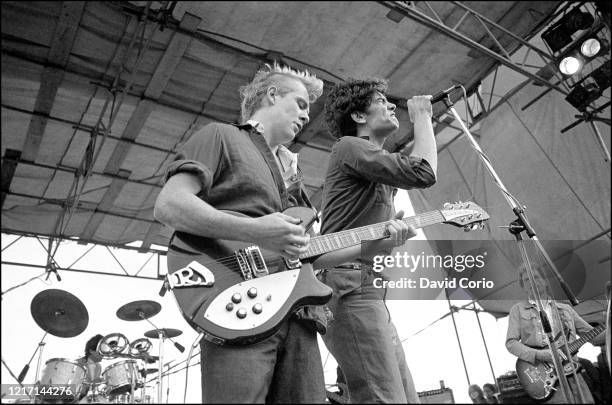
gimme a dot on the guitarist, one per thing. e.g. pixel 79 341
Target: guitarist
pixel 245 168
pixel 526 339
pixel 359 188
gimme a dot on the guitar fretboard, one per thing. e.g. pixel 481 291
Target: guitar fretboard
pixel 587 337
pixel 343 239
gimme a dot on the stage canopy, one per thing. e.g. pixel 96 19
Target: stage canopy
pixel 98 96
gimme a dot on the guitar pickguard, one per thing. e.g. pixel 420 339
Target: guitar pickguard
pixel 253 302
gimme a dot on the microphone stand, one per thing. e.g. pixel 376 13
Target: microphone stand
pixel 516 228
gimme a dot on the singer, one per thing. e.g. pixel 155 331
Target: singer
pixel 360 184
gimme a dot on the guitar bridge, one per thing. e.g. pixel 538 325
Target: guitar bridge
pixel 293 264
pixel 251 263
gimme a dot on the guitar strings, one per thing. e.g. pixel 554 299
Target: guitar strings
pixel 326 243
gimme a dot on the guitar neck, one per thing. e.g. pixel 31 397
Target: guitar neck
pixel 343 239
pixel 587 337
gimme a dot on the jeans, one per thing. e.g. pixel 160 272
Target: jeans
pixel 284 368
pixel 365 344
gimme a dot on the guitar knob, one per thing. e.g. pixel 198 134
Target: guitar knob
pixel 252 293
pixel 269 297
pixel 257 308
pixel 236 298
pixel 241 313
pixel 229 307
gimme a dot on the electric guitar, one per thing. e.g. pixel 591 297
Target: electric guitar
pixel 539 379
pixel 237 294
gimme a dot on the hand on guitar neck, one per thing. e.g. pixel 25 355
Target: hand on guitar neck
pixel 399 232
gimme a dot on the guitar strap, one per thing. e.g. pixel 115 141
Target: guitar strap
pixel 266 153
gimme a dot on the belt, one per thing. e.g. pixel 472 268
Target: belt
pixel 351 266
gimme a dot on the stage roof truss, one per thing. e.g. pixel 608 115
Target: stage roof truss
pixel 150 50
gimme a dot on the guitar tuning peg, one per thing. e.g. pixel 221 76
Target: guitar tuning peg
pixel 482 225
pixel 467 228
pixel 447 205
pixel 475 226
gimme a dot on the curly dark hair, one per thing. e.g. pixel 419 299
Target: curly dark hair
pixel 92 344
pixel 345 98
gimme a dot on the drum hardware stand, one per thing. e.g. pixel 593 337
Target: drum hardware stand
pixel 11 373
pixel 590 117
pixel 168 381
pixel 26 368
pixel 195 343
pixel 516 227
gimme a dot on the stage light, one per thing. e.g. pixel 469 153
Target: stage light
pixel 590 47
pixel 560 34
pixel 570 65
pixel 590 88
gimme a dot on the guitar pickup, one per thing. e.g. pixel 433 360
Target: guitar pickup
pixel 192 275
pixel 256 261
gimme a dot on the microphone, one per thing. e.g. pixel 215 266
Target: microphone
pixel 439 96
pixel 53 269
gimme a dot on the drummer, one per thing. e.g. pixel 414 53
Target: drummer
pixel 91 362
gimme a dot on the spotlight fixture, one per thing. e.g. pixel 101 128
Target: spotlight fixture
pixel 590 48
pixel 570 65
pixel 560 34
pixel 574 57
pixel 590 88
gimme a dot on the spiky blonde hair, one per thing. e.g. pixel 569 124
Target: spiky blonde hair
pixel 276 75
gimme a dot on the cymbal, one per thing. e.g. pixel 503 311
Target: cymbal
pixel 59 313
pixel 169 333
pixel 138 310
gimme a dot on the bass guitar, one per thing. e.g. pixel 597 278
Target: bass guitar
pixel 236 293
pixel 539 380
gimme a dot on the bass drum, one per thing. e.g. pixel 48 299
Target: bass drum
pixel 64 375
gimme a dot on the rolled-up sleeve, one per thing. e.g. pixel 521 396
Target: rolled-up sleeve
pixel 363 159
pixel 513 338
pixel 201 156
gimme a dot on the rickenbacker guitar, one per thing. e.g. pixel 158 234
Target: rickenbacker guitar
pixel 539 380
pixel 237 294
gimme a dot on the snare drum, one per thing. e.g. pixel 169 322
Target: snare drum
pixel 65 374
pixel 120 376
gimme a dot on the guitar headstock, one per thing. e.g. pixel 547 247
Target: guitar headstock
pixel 465 214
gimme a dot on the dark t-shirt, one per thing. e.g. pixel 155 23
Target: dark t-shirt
pixel 361 182
pixel 359 187
pixel 236 175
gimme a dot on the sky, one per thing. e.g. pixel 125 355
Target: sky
pixel 432 355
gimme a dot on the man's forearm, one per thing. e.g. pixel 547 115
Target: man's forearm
pixel 188 213
pixel 424 141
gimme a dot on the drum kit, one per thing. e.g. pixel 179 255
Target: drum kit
pixel 62 314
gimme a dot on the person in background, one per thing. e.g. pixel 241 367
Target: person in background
pixel 490 393
pixel 93 367
pixel 476 394
pixel 526 339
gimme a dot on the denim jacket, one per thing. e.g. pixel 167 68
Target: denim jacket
pixel 526 336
